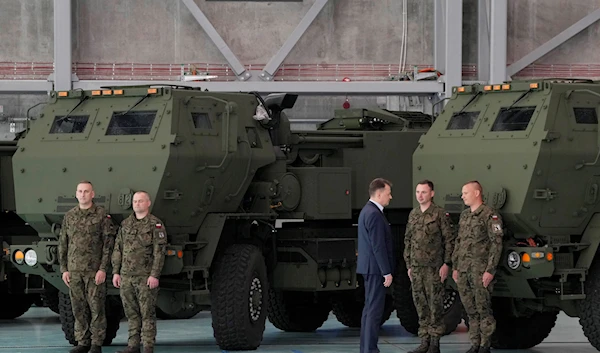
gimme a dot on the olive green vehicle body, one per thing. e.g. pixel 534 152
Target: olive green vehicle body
pixel 535 152
pixel 216 177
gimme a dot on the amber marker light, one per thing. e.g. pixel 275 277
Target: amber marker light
pixel 487 88
pixel 152 90
pixel 180 254
pixel 96 93
pixel 533 85
pixel 549 256
pixel 505 87
pixel 19 257
pixel 526 257
pixel 63 94
pixel 461 89
pixel 118 91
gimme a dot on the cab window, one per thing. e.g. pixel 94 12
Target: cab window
pixel 201 121
pixel 585 115
pixel 131 123
pixel 72 124
pixel 462 121
pixel 513 119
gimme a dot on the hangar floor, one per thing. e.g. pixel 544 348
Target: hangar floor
pixel 39 331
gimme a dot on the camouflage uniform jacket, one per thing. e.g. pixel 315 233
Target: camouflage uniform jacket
pixel 479 241
pixel 429 237
pixel 86 240
pixel 140 247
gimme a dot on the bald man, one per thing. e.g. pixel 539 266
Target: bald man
pixel 475 258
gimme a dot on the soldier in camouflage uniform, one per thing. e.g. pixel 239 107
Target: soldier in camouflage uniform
pixel 476 256
pixel 84 247
pixel 428 247
pixel 137 261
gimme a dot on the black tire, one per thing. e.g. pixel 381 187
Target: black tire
pixel 50 298
pixel 407 312
pixel 182 314
pixel 239 279
pixel 589 316
pixel 519 332
pixel 114 314
pixel 296 312
pixel 348 311
pixel 14 305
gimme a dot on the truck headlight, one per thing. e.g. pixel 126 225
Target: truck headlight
pixel 514 260
pixel 31 257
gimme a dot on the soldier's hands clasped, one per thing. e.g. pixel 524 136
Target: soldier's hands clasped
pixel 444 272
pixel 410 274
pixel 455 276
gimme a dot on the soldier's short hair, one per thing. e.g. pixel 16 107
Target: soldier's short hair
pixel 144 192
pixel 476 184
pixel 428 182
pixel 85 182
pixel 378 183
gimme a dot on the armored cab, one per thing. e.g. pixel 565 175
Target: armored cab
pixel 534 147
pixel 260 220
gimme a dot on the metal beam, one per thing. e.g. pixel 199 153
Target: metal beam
pixel 236 65
pixel 304 88
pixel 273 65
pixel 483 40
pixel 25 86
pixel 453 35
pixel 439 36
pixel 498 34
pixel 62 45
pixel 553 43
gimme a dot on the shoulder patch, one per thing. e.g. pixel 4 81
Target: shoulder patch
pixel 158 225
pixel 161 235
pixel 497 227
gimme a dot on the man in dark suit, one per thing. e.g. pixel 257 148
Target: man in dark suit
pixel 375 261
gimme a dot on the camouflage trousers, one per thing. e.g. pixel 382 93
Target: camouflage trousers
pixel 477 301
pixel 139 302
pixel 428 295
pixel 87 302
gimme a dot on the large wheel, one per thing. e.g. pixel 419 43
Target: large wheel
pixel 182 314
pixel 589 316
pixel 14 305
pixel 114 314
pixel 519 332
pixel 405 307
pixel 238 298
pixel 296 312
pixel 50 298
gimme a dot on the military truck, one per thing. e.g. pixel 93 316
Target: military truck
pixel 535 147
pixel 261 221
pixel 14 299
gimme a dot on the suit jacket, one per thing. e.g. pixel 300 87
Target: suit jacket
pixel 375 247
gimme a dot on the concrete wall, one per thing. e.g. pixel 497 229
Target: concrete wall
pixel 348 31
pixel 345 32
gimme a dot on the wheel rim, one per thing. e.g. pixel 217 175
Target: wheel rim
pixel 449 299
pixel 255 301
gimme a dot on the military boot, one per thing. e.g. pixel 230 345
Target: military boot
pixel 423 347
pixel 484 349
pixel 130 350
pixel 473 349
pixel 80 349
pixel 434 347
pixel 95 349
